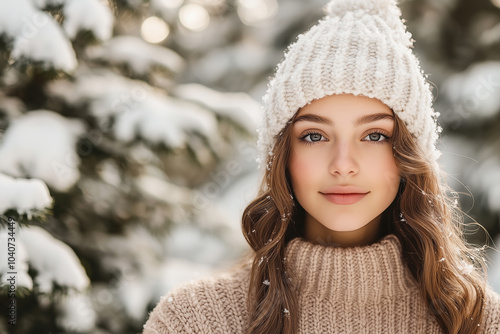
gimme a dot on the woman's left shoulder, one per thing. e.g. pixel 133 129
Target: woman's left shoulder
pixel 491 315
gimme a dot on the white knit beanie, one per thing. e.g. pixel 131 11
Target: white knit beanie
pixel 360 47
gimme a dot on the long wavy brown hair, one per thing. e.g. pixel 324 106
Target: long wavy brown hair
pixel 425 216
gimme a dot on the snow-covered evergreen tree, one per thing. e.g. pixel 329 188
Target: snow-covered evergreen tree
pixel 105 154
pixel 458 42
pixel 127 140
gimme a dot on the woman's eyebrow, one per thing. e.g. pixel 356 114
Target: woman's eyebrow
pixel 359 121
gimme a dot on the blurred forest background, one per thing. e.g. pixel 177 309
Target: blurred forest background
pixel 127 141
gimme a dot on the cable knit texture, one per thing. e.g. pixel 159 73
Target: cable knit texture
pixel 360 47
pixel 364 289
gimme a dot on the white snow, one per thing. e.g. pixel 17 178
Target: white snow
pixel 193 252
pixel 475 93
pixel 160 119
pixel 41 144
pixel 163 191
pixel 36 35
pixel 136 292
pixel 135 295
pixel 15 17
pixel 23 195
pixel 194 244
pixel 176 271
pixel 466 268
pixel 239 107
pixel 138 54
pixel 89 15
pixel 118 256
pixel 107 92
pixel 53 259
pixel 76 312
pixel 23 279
pixel 245 57
pixel 109 171
pixel 140 110
pixel 231 197
pixel 150 273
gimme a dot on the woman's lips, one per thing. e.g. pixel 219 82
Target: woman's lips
pixel 344 199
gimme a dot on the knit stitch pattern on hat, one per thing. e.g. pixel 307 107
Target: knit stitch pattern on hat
pixel 360 47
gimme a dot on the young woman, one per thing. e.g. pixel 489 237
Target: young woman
pixel 354 229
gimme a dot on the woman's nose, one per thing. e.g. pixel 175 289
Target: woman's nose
pixel 343 161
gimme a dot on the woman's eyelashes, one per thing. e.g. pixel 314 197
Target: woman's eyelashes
pixel 376 137
pixel 314 136
pixel 380 135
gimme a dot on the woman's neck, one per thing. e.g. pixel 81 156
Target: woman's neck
pixel 317 233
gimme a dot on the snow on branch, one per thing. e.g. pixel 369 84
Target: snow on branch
pixel 41 144
pixel 239 107
pixel 139 55
pixel 23 278
pixel 54 261
pixel 474 93
pixel 43 250
pixel 139 110
pixel 23 195
pixel 35 36
pixel 89 15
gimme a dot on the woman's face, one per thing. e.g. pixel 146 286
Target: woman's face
pixel 338 142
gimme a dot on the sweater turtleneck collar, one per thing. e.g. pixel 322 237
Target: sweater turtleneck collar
pixel 369 272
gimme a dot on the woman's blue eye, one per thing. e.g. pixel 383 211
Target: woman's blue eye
pixel 374 137
pixel 314 136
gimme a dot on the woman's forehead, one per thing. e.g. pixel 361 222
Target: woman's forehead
pixel 357 110
pixel 344 102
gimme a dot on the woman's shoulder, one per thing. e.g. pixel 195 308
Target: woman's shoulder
pixel 207 304
pixel 491 317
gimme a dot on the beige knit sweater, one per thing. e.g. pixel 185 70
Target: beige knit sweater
pixel 364 289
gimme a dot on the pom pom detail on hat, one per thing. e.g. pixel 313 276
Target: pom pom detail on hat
pixel 340 7
pixel 386 10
